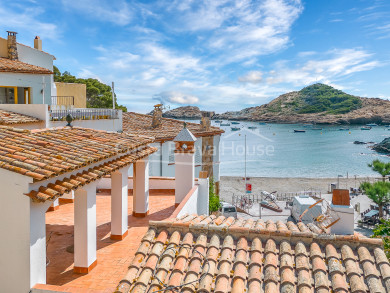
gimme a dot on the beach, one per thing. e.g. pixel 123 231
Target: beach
pixel 235 185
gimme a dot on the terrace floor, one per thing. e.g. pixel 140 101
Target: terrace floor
pixel 113 257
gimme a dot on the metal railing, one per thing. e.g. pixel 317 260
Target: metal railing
pixel 62 100
pixel 84 114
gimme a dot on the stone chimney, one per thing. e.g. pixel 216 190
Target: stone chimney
pixel 38 43
pixel 157 116
pixel 11 44
pixel 205 121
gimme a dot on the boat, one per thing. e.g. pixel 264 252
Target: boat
pixel 316 128
pixel 372 124
pixel 262 123
pixel 252 127
pixel 235 128
pixel 225 124
pixel 218 121
pixel 235 122
pixel 299 130
pixel 343 129
pixel 366 128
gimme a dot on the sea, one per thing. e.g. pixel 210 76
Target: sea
pixel 275 150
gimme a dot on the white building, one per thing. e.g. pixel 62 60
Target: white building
pixel 164 130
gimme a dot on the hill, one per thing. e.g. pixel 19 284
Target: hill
pixel 317 103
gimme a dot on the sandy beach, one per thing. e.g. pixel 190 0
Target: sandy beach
pixel 235 185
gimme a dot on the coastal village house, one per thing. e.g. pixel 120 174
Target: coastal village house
pixel 42 161
pixel 164 130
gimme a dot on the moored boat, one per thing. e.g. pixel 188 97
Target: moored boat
pixel 262 123
pixel 299 130
pixel 225 124
pixel 343 129
pixel 372 124
pixel 366 128
pixel 235 128
pixel 252 127
pixel 218 121
pixel 235 122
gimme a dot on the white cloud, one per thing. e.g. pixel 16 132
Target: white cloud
pixel 118 12
pixel 26 19
pixel 252 77
pixel 329 66
pixel 178 98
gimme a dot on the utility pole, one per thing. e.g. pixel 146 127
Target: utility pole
pixel 113 96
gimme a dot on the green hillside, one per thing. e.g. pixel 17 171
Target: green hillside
pixel 319 97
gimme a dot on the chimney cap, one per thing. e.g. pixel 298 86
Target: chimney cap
pixel 37 37
pixel 11 33
pixel 185 135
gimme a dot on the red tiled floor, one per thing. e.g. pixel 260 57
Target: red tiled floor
pixel 113 257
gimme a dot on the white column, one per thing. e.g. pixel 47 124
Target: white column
pixel 203 195
pixel 141 188
pixel 85 228
pixel 54 206
pixel 119 197
pixel 184 174
pixel 37 243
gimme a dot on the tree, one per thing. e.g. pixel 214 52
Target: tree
pixel 382 230
pixel 214 203
pixel 378 192
pixel 381 168
pixel 99 95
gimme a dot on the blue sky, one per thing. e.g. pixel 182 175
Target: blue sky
pixel 216 54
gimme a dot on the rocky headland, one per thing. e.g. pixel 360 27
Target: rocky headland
pixel 318 103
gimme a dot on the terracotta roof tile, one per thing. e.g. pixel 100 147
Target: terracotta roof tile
pixel 142 124
pixel 9 118
pixel 46 153
pixel 206 260
pixel 16 66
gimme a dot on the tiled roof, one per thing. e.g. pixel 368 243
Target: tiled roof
pixel 142 124
pixel 209 254
pixel 15 66
pixel 46 153
pixel 7 118
pixel 60 187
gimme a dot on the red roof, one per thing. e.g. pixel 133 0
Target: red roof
pixel 15 66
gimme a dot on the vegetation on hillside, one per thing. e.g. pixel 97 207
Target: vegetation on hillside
pixel 323 98
pixel 99 95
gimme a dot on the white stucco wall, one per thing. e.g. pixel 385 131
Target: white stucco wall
pixel 345 226
pixel 15 220
pixel 33 81
pixel 103 124
pixel 35 57
pixel 190 207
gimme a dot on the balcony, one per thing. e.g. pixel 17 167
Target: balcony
pixel 84 114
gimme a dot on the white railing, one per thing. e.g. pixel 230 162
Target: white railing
pixel 84 114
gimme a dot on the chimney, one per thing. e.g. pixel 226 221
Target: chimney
pixel 205 121
pixel 38 43
pixel 11 44
pixel 157 116
pixel 342 206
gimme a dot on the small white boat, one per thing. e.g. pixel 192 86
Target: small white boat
pixel 372 124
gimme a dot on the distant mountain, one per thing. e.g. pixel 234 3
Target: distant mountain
pixel 317 103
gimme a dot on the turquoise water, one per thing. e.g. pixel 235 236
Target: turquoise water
pixel 274 150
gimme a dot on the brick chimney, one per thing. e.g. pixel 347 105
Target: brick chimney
pixel 38 43
pixel 11 44
pixel 205 121
pixel 157 116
